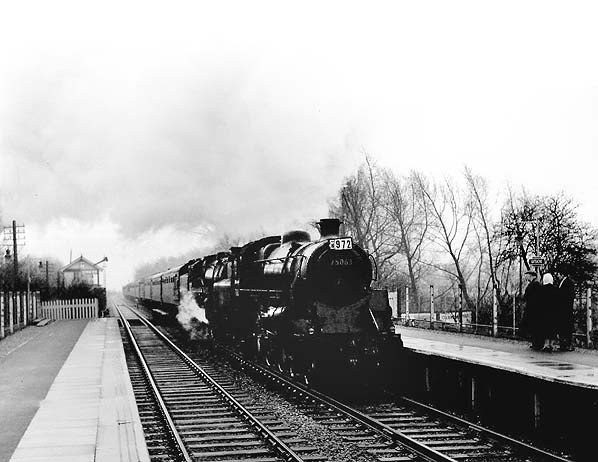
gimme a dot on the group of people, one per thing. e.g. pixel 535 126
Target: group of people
pixel 548 315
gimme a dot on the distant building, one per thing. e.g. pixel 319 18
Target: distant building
pixel 83 271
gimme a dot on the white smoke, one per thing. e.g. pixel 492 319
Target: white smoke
pixel 192 317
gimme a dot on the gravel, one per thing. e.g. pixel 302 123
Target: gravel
pixel 331 445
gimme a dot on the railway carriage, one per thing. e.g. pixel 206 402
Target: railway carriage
pixel 131 291
pixel 170 286
pixel 144 289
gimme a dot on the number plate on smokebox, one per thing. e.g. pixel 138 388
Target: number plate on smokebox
pixel 343 243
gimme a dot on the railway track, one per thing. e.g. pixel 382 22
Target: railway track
pixel 212 426
pixel 188 414
pixel 402 431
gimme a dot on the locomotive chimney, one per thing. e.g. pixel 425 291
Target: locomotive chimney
pixel 329 227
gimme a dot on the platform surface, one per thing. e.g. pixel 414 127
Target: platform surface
pixel 576 368
pixel 30 359
pixel 89 413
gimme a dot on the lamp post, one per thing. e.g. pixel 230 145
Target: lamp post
pixel 41 267
pixel 47 276
pixel 519 240
pixel 7 259
pixel 536 229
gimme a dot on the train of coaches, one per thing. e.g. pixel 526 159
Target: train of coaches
pixel 305 306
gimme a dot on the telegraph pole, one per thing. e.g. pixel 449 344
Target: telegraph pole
pixel 14 235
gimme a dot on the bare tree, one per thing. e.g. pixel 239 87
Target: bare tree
pixel 549 226
pixel 362 210
pixel 408 209
pixel 478 190
pixel 451 215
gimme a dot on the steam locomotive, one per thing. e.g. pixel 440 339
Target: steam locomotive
pixel 304 306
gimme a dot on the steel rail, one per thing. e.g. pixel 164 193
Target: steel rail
pixel 520 445
pixel 155 391
pixel 374 425
pixel 278 445
pixel 396 435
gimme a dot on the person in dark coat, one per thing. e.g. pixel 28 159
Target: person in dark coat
pixel 530 321
pixel 549 311
pixel 565 314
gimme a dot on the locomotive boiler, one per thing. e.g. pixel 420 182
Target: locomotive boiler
pixel 305 306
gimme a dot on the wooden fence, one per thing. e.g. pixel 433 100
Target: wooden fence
pixel 84 308
pixel 17 309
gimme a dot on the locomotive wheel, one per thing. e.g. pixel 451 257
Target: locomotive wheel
pixel 284 361
pixel 258 345
pixel 310 373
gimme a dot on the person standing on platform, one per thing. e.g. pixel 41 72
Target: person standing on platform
pixel 565 318
pixel 549 302
pixel 531 315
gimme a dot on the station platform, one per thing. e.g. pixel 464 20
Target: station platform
pixel 577 368
pixel 82 408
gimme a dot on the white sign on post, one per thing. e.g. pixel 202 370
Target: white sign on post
pixel 536 261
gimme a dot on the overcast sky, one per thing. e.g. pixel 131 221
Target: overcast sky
pixel 138 130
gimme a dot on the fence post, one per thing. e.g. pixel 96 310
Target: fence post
pixel 494 313
pixel 22 315
pixel 589 316
pixel 26 317
pixel 17 309
pixel 1 314
pixel 11 327
pixel 38 308
pixel 431 306
pixel 407 303
pixel 514 310
pixel 17 318
pixel 460 308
